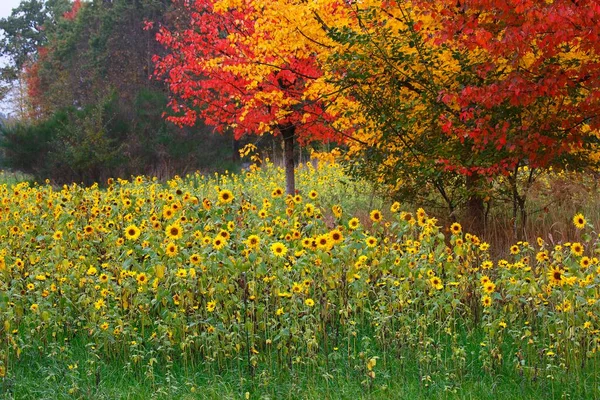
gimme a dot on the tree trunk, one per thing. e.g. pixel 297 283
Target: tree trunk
pixel 475 206
pixel 287 131
pixel 235 156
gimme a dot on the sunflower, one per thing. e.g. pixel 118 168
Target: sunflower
pixel 181 273
pixel 309 302
pixel 489 287
pixel 376 216
pixel 337 211
pixel 88 230
pixel 395 207
pixel 174 231
pixel 436 282
pixel 218 243
pixel 103 278
pixel 309 209
pixel 171 250
pixel 211 305
pixel 195 259
pixel 313 194
pixel 579 221
pixel 585 262
pixel 142 278
pixel 57 235
pixel 225 196
pixel 323 242
pixel 224 234
pixel 353 223
pixel 206 204
pixel 487 265
pixel 486 301
pixel 577 249
pixel 455 228
pixel 277 192
pixel 556 276
pixel 336 236
pixel 132 232
pixel 371 241
pixel 168 212
pixel 279 249
pixel 253 241
pixel 542 256
pixel 297 288
pixel 514 249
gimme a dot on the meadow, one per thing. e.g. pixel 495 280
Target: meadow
pixel 221 286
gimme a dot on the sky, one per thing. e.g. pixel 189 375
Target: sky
pixel 6 7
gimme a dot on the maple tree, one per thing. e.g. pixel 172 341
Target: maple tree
pixel 243 65
pixel 473 90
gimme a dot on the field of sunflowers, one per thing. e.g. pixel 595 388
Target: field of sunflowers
pixel 221 270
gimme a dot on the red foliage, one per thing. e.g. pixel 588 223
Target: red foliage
pixel 223 98
pixel 72 13
pixel 527 100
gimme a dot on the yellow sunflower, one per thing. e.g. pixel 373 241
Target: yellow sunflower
pixel 171 250
pixel 174 231
pixel 579 221
pixel 253 241
pixel 336 236
pixel 225 196
pixel 132 232
pixel 371 241
pixel 278 249
pixel 556 276
pixel 455 228
pixel 376 216
pixel 577 249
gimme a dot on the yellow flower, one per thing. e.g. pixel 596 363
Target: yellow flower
pixel 174 231
pixel 375 216
pixel 455 228
pixel 371 241
pixel 278 249
pixel 218 243
pixel 353 223
pixel 142 278
pixel 436 282
pixel 579 221
pixel 253 241
pixel 277 192
pixel 336 236
pixel 132 232
pixel 309 302
pixel 210 306
pixel 486 301
pixel 225 196
pixel 171 250
pixel 577 249
pixel 556 276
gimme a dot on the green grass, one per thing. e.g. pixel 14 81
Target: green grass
pixel 48 376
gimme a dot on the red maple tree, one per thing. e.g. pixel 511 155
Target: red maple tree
pixel 205 72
